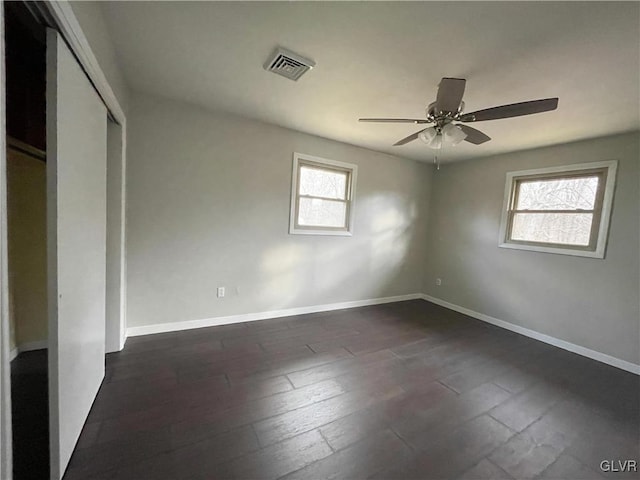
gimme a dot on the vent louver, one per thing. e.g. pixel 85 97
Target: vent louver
pixel 288 64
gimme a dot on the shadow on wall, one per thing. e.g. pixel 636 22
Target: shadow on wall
pixel 479 230
pixel 313 270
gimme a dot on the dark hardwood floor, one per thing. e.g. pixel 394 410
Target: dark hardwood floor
pixel 396 391
pixel 30 416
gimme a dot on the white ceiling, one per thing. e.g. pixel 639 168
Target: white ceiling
pixel 385 59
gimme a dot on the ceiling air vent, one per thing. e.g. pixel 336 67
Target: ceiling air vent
pixel 288 64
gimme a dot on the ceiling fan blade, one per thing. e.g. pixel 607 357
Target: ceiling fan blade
pixel 474 136
pixel 395 120
pixel 408 139
pixel 511 110
pixel 450 94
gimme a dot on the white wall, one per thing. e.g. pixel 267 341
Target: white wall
pixel 208 206
pixel 593 303
pixel 27 239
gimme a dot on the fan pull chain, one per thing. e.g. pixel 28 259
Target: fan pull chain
pixel 436 161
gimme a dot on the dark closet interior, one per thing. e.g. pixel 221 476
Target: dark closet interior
pixel 25 63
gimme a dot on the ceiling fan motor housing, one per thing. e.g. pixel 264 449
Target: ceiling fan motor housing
pixel 442 118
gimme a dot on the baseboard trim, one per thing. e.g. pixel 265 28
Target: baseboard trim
pixel 250 317
pixel 28 347
pixel 556 342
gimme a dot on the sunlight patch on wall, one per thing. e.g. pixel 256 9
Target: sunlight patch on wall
pixel 392 230
pixel 283 268
pixel 392 221
pixel 391 213
pixel 313 270
pixel 334 267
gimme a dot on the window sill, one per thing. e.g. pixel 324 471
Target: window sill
pixel 555 250
pixel 332 233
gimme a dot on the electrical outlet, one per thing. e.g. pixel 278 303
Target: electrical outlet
pixel 438 281
pixel 220 292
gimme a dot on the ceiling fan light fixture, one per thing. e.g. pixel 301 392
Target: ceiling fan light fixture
pixel 436 142
pixel 427 135
pixel 453 134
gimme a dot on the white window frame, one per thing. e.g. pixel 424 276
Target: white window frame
pixel 301 159
pixel 602 208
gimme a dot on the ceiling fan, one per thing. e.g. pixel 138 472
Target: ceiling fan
pixel 448 108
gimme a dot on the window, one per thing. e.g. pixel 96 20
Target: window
pixel 322 195
pixel 560 209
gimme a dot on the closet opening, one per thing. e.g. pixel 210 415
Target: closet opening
pixel 25 63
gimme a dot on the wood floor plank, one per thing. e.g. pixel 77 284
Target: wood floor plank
pixel 200 422
pixel 334 369
pixel 360 460
pixel 454 453
pixel 277 428
pixel 421 427
pixel 281 458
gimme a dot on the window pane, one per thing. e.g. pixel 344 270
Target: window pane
pixel 558 194
pixel 322 213
pixel 562 228
pixel 323 183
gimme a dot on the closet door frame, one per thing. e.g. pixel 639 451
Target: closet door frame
pixel 6 446
pixel 60 16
